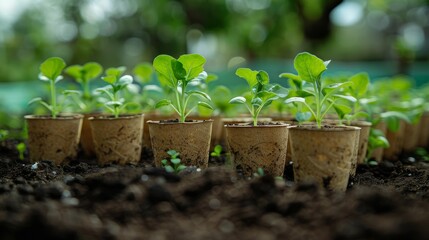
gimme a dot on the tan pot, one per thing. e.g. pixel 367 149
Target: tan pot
pixel 365 128
pixel 263 146
pixel 396 142
pixel 53 139
pixel 377 154
pixel 229 121
pixel 190 139
pixel 117 140
pixel 216 129
pixel 151 117
pixel 424 131
pixel 323 155
pixel 86 141
pixel 411 137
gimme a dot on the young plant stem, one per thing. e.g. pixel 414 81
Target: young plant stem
pixel 86 92
pixel 183 111
pixel 53 99
pixel 115 108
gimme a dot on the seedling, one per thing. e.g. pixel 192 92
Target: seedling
pixel 262 92
pixel 317 97
pixel 116 83
pixel 21 147
pixel 84 75
pixel 376 140
pixel 259 173
pixel 177 74
pixel 216 151
pixel 173 165
pixel 358 90
pixel 50 71
pixel 423 154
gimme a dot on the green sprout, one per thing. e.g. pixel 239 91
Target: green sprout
pixel 21 147
pixel 177 74
pixel 216 151
pixel 259 173
pixel 262 92
pixel 116 83
pixel 4 134
pixel 423 154
pixel 317 97
pixel 83 75
pixel 173 165
pixel 50 71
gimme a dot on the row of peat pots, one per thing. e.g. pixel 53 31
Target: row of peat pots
pixel 328 155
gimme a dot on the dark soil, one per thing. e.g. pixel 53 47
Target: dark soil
pixel 84 201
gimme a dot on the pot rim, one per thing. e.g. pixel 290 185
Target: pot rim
pixel 332 128
pixel 249 125
pixel 110 117
pixel 168 122
pixel 63 116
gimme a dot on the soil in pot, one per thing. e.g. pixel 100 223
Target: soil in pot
pixel 53 139
pixel 191 139
pixel 263 146
pixel 323 155
pixel 117 140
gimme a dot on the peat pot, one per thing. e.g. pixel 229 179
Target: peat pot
pixel 262 146
pixel 86 141
pixel 324 155
pixel 362 144
pixel 396 142
pixel 55 139
pixel 191 139
pixel 117 140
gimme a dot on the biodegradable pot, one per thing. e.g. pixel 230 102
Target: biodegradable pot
pixel 377 154
pixel 324 155
pixel 117 140
pixel 262 146
pixel 216 129
pixel 151 117
pixel 86 140
pixel 424 131
pixel 229 121
pixel 55 139
pixel 362 146
pixel 191 139
pixel 396 142
pixel 411 140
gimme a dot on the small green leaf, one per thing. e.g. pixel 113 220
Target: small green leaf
pixel 205 105
pixel 256 102
pixel 111 79
pixel 116 72
pixel 342 110
pixel 162 103
pixel 164 162
pixel 91 70
pixel 360 84
pixel 236 100
pixel 295 99
pixel 303 116
pixel 169 169
pixel 290 76
pixel 280 91
pixel 211 78
pixel 262 78
pixel 75 71
pixel 162 65
pixel 248 75
pixel 348 98
pixel 143 72
pixel 193 65
pixel 180 168
pixel 309 67
pixel 125 80
pixel 175 161
pixel 199 93
pixel 178 70
pixel 173 153
pixel 52 67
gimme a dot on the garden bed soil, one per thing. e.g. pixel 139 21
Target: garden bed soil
pixel 84 201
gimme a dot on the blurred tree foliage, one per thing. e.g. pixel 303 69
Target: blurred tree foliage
pixel 127 32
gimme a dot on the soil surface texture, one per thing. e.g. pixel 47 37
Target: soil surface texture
pixel 82 200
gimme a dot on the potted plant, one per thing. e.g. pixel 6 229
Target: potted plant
pixel 258 144
pixel 83 75
pixel 117 138
pixel 53 137
pixel 189 137
pixel 320 153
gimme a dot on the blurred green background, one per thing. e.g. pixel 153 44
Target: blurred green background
pixel 382 37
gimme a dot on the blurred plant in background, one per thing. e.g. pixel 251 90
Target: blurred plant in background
pixel 226 32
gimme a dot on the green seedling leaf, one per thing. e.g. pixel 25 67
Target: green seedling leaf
pixel 75 71
pixel 291 76
pixel 21 147
pixel 164 162
pixel 345 97
pixel 178 70
pixel 200 78
pixel 111 79
pixel 342 110
pixel 256 102
pixel 169 169
pixel 193 65
pixel 200 93
pixel 175 161
pixel 248 75
pixel 162 103
pixel 238 100
pixel 173 153
pixel 303 116
pixel 116 72
pixel 360 83
pixel 180 168
pixel 91 70
pixel 163 67
pixel 125 80
pixel 309 67
pixel 205 105
pixel 211 78
pixel 143 72
pixel 52 68
pixel 295 99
